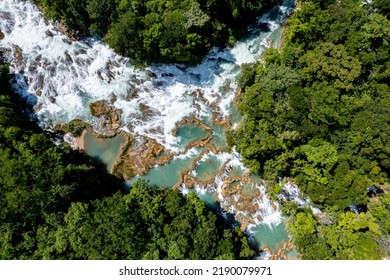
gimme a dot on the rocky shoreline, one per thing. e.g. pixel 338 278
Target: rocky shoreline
pixel 139 154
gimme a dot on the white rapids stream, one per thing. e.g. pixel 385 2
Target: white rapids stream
pixel 61 77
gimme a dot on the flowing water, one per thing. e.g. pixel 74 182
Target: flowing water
pixel 185 109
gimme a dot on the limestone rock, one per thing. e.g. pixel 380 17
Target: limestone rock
pixel 110 117
pixel 138 156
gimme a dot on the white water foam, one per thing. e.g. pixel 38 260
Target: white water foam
pixel 62 77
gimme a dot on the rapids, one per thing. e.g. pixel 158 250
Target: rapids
pixel 61 78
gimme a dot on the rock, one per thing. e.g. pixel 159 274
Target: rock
pixel 40 81
pixel 198 95
pixel 114 116
pixel 49 33
pixel 98 108
pixel 68 138
pixel 52 99
pixel 189 181
pixel 218 120
pixel 151 74
pixel 147 112
pixel 3 50
pixel 158 83
pixel 75 127
pixel 110 116
pixel 68 57
pixel 1 35
pixel 191 120
pixel 181 67
pixel 113 99
pixel 19 55
pixel 67 41
pixel 132 93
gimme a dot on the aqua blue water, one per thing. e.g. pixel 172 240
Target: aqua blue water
pixel 270 237
pixel 248 188
pixel 103 149
pixel 293 254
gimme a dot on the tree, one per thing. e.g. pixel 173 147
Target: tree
pixel 317 112
pixel 331 63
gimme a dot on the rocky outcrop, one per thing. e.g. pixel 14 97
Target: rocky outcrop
pixel 17 60
pixel 324 219
pixel 138 156
pixel 71 34
pixel 110 118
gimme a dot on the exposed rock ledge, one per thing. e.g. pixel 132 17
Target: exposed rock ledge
pixel 138 156
pixel 110 117
pixel 281 254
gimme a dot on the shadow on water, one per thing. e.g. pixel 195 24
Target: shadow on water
pixel 96 182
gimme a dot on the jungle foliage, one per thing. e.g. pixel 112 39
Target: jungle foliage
pixel 318 111
pixel 159 30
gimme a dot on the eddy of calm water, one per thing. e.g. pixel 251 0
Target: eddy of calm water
pixel 61 78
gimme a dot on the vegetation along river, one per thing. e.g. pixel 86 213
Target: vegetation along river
pixel 169 120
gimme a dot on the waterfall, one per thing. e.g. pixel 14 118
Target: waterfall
pixel 61 78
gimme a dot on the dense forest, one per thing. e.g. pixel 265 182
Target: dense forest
pixel 57 203
pixel 318 111
pixel 159 30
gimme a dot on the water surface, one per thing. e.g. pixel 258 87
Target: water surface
pixel 104 149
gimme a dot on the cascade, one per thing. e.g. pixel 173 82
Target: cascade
pixel 181 111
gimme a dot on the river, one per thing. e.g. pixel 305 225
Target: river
pixel 175 116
